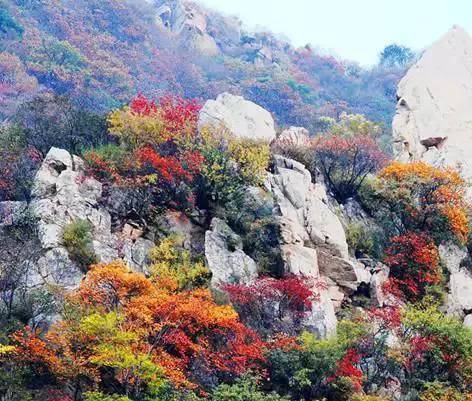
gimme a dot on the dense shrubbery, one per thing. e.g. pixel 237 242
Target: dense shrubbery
pixel 174 267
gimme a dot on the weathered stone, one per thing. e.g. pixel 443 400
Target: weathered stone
pixel 322 318
pixel 61 195
pixel 468 321
pixel 136 253
pixel 342 271
pixel 335 294
pixel 239 117
pixel 460 281
pixel 453 256
pixel 461 289
pixel 306 220
pixel 56 268
pixel 434 102
pixel 300 260
pixel 225 256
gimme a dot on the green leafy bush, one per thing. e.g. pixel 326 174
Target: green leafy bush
pixel 77 239
pixel 359 239
pixel 245 389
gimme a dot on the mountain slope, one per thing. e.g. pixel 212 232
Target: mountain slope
pixel 102 52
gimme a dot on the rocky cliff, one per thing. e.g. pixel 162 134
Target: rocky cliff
pixel 433 122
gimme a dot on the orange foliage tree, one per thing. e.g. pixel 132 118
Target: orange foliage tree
pixel 419 197
pixel 120 327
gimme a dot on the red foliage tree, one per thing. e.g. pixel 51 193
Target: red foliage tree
pixel 346 161
pixel 185 335
pixel 157 151
pixel 346 368
pixel 414 264
pixel 268 299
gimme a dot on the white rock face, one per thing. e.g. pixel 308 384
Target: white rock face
pixel 240 117
pixel 379 278
pixel 314 242
pixel 61 195
pixel 468 321
pixel 304 206
pixel 460 282
pixel 225 257
pixel 435 99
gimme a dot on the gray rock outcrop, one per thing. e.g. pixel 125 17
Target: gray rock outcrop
pixel 313 241
pixel 225 256
pixel 292 137
pixel 305 217
pixel 238 116
pixel 62 194
pixel 189 23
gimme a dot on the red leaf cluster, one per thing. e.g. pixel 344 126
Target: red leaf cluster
pixel 293 292
pixel 414 264
pixel 347 368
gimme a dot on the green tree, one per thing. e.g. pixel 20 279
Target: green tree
pixel 396 56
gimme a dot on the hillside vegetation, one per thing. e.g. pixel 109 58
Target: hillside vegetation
pixel 101 53
pixel 159 246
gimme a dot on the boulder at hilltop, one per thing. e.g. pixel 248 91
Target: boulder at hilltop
pixel 238 116
pixel 433 120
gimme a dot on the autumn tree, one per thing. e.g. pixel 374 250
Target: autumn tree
pixel 122 332
pixel 347 154
pixel 421 198
pixel 413 259
pixel 269 304
pixel 156 153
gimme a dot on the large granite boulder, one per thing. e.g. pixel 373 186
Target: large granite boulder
pixel 225 256
pixel 432 122
pixel 239 117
